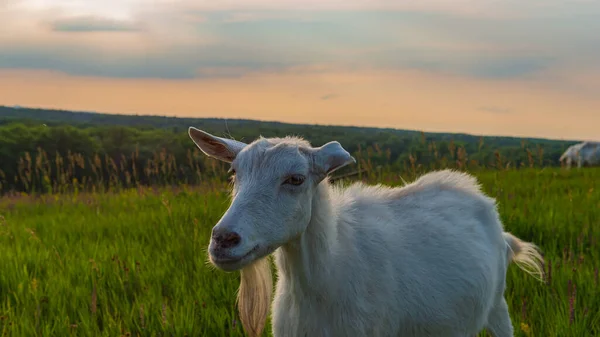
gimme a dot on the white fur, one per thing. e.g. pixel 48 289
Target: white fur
pixel 585 153
pixel 426 259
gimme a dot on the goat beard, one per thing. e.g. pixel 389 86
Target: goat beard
pixel 254 296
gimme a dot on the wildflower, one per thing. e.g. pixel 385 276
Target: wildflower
pixel 34 284
pixel 526 329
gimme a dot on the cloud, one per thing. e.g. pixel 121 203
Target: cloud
pixel 92 24
pixel 329 97
pixel 183 63
pixel 183 39
pixel 496 110
pixel 508 68
pixel 87 63
pixel 486 64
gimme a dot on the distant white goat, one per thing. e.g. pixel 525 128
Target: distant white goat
pixel 586 153
pixel 426 259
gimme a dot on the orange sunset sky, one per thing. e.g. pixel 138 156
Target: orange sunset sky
pixel 515 67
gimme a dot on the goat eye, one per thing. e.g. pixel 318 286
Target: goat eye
pixel 294 180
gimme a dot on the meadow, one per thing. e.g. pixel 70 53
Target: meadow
pixel 133 262
pixel 104 229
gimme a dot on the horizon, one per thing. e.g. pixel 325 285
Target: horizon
pixel 301 124
pixel 510 69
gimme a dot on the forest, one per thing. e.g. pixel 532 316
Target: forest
pixel 45 151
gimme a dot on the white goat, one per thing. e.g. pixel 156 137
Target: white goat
pixel 426 259
pixel 585 153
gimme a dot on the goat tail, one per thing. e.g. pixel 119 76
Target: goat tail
pixel 254 296
pixel 526 255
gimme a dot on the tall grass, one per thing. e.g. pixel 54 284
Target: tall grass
pixel 41 173
pixel 133 262
pixel 45 173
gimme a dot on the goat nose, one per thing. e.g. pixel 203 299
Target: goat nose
pixel 227 239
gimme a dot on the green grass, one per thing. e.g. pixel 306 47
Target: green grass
pixel 135 262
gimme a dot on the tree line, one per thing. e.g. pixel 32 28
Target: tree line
pixel 45 151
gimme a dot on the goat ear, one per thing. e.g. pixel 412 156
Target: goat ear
pixel 220 148
pixel 331 157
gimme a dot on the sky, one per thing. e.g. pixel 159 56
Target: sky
pixel 524 68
